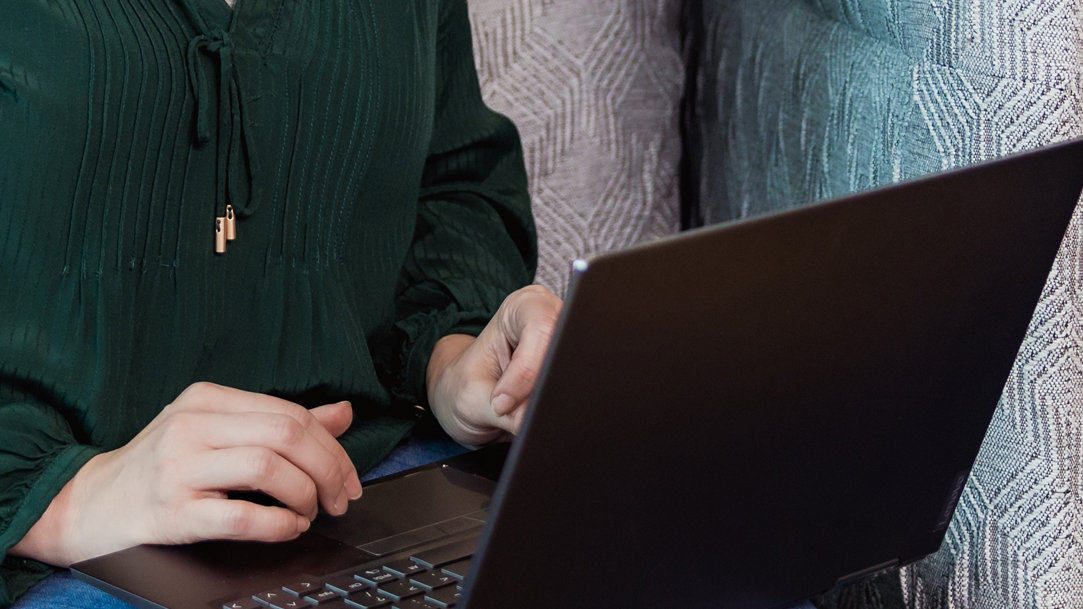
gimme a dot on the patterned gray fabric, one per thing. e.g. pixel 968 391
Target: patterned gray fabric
pixel 803 100
pixel 595 90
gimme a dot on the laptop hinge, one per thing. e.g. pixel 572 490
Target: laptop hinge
pixel 856 575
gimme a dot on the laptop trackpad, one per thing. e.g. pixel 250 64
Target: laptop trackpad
pixel 411 510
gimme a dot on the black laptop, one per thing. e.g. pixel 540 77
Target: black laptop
pixel 739 416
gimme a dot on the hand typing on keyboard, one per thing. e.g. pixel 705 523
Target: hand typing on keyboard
pixel 168 484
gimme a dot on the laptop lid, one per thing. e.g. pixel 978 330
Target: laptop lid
pixel 746 415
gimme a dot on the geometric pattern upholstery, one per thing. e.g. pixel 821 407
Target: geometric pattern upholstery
pixel 595 89
pixel 801 100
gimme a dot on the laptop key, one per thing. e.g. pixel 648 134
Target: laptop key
pixel 268 597
pixel 445 597
pixel 288 602
pixel 438 557
pixel 404 567
pixel 367 599
pixel 431 580
pixel 375 577
pixel 346 585
pixel 302 587
pixel 458 569
pixel 242 603
pixel 400 589
pixel 323 596
pixel 413 603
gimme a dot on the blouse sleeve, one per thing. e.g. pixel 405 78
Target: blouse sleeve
pixel 38 456
pixel 474 240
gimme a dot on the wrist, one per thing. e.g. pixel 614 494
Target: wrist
pixel 444 352
pixel 447 385
pixel 52 539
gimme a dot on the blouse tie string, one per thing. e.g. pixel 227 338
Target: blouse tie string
pixel 233 171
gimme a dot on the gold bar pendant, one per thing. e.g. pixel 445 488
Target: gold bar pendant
pixel 219 235
pixel 231 224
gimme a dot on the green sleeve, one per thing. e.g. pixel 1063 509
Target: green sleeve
pixel 474 240
pixel 38 455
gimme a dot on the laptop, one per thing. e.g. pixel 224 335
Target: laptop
pixel 739 416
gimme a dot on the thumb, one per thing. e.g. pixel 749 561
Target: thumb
pixel 518 379
pixel 527 328
pixel 335 418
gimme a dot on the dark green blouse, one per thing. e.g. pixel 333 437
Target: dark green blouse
pixel 379 205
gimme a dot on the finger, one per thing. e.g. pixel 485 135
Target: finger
pixel 214 518
pixel 527 320
pixel 292 440
pixel 254 469
pixel 208 397
pixel 335 418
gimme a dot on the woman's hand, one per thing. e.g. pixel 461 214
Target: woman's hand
pixel 479 389
pixel 169 484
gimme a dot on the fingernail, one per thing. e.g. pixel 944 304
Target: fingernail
pixel 302 524
pixel 502 404
pixel 353 487
pixel 341 502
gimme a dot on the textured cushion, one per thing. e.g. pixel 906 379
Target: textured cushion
pixel 798 101
pixel 595 89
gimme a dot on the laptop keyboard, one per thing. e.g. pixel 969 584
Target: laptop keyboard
pixel 429 579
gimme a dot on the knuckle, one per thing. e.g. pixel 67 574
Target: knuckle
pixel 183 421
pixel 262 464
pixel 543 327
pixel 535 290
pixel 286 431
pixel 297 412
pixel 526 375
pixel 180 426
pixel 199 393
pixel 535 293
pixel 534 302
pixel 237 520
pixel 309 495
pixel 333 474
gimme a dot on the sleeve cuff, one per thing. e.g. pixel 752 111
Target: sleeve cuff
pixel 18 575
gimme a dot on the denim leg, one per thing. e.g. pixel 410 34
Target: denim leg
pixel 62 591
pixel 424 446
